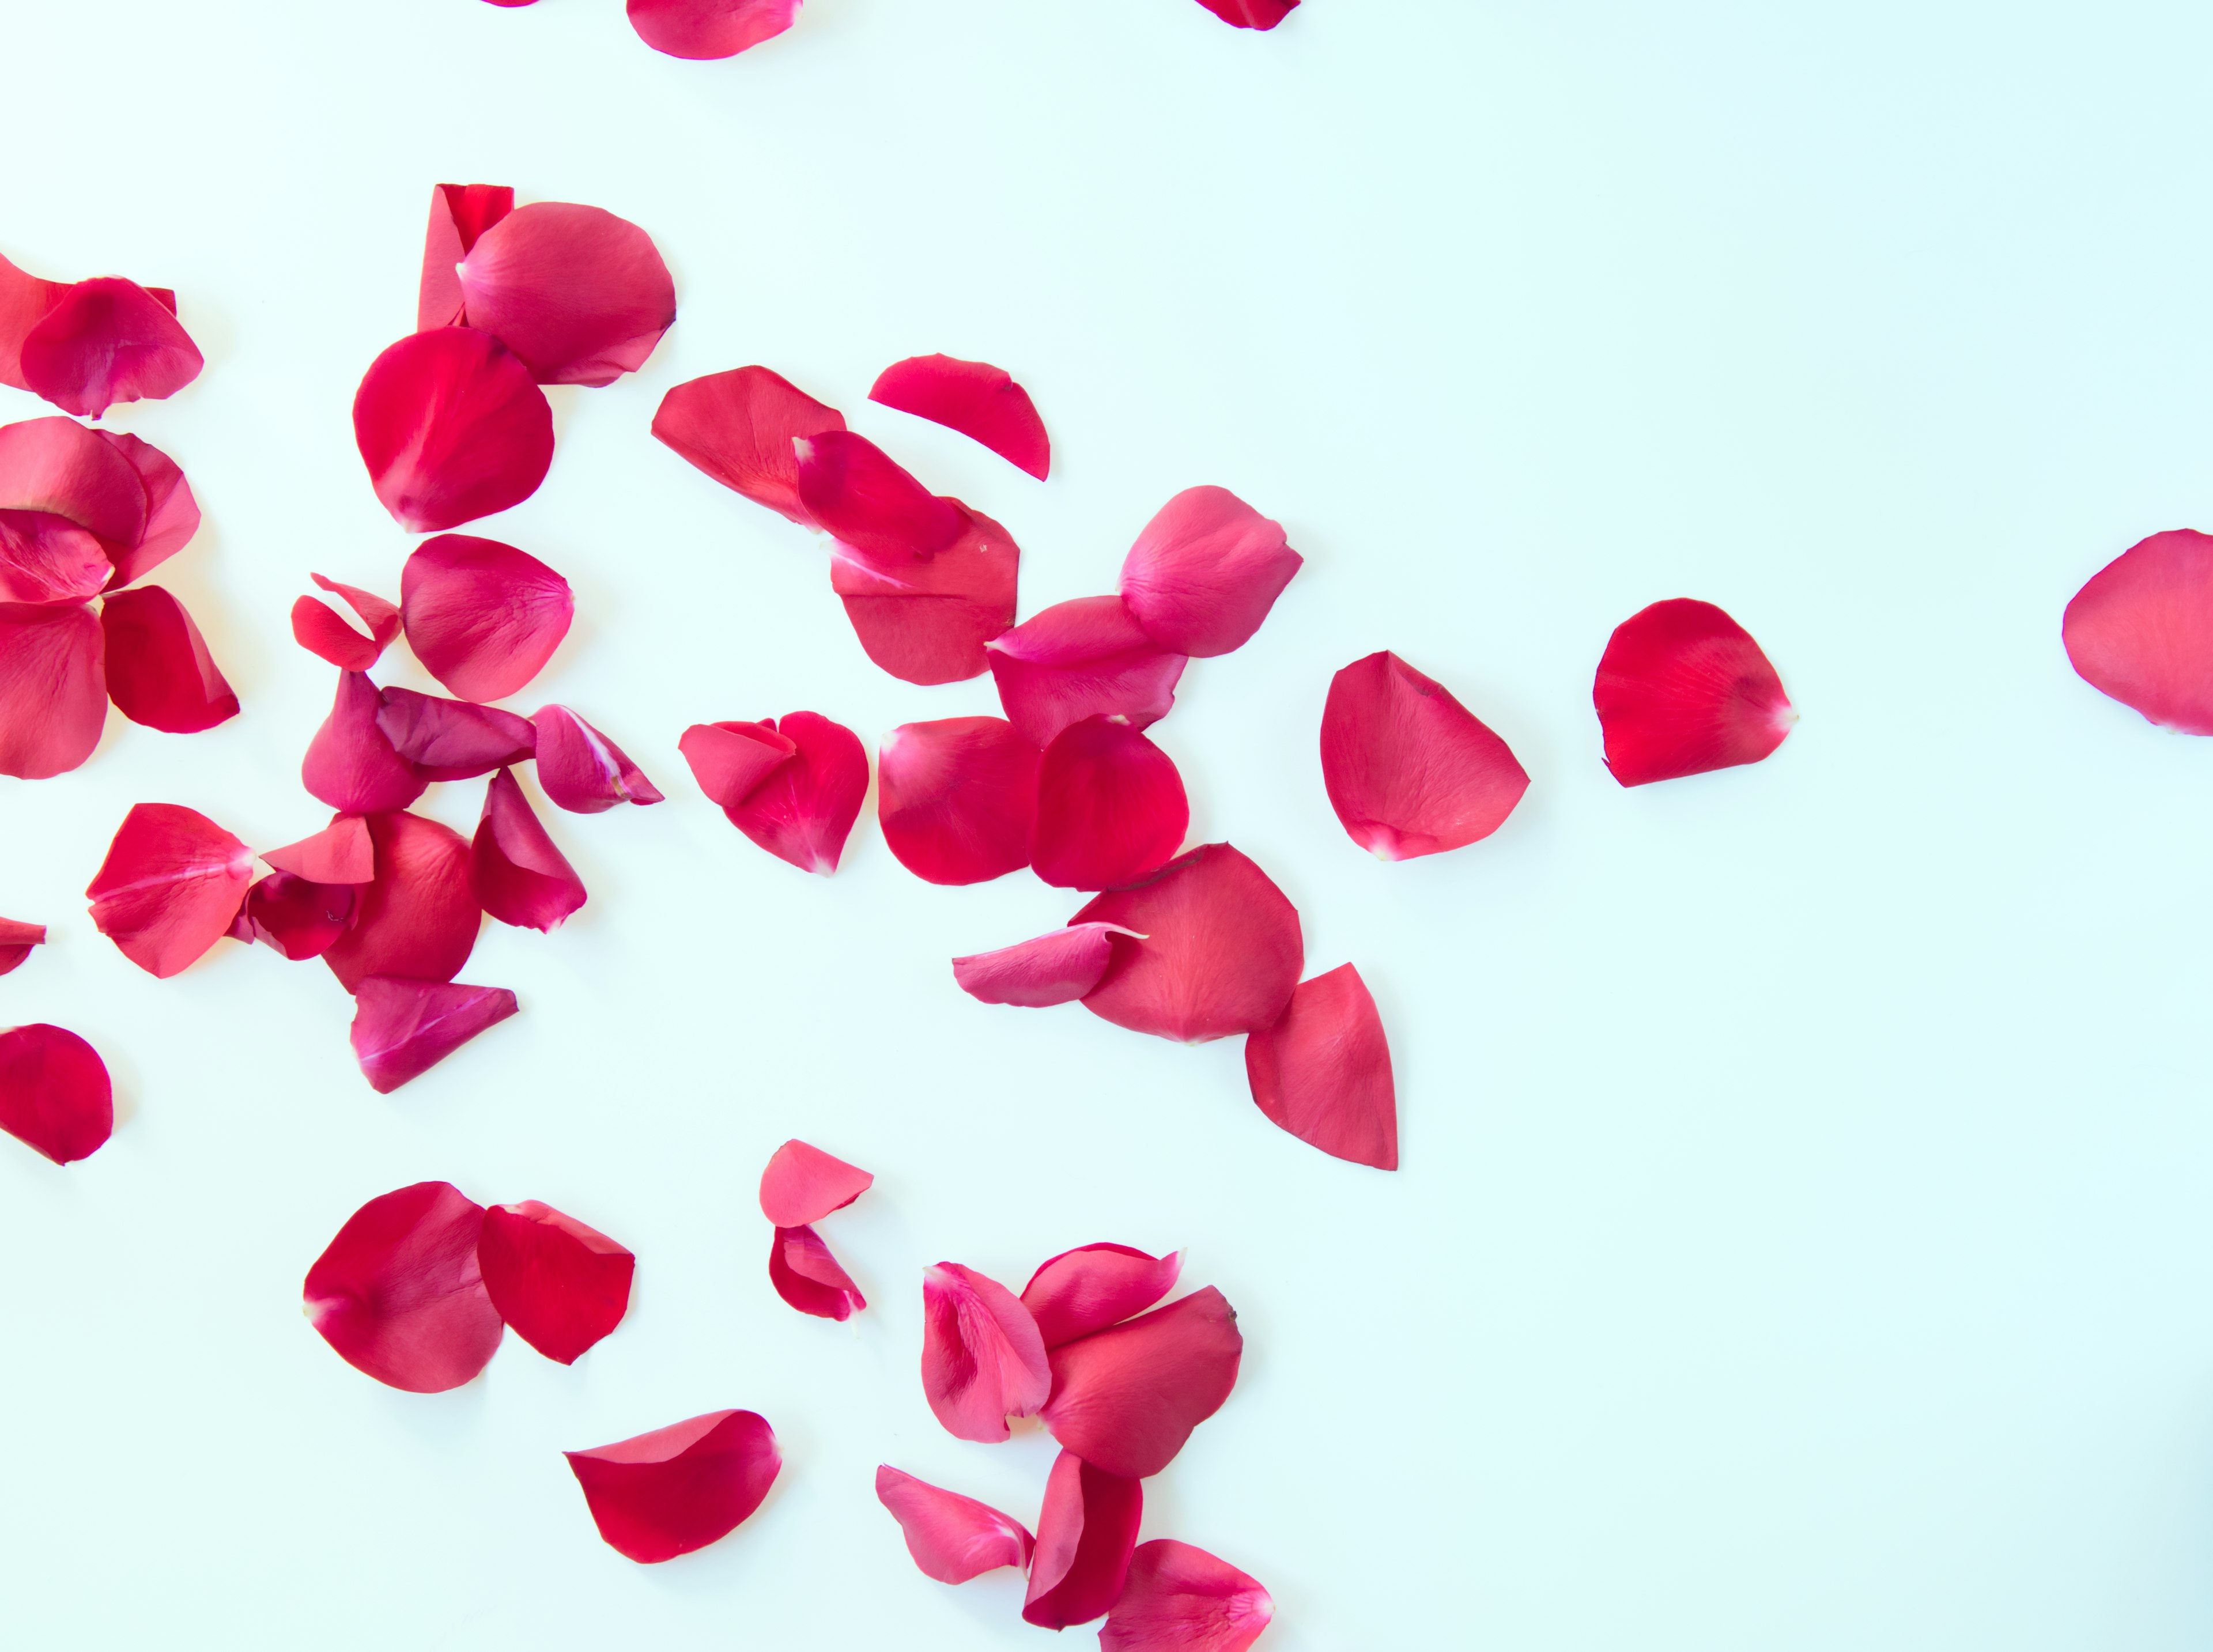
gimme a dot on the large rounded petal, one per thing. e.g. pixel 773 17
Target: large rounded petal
pixel 1682 688
pixel 981 401
pixel 580 295
pixel 804 809
pixel 159 670
pixel 107 340
pixel 520 874
pixel 451 428
pixel 1180 1597
pixel 1409 770
pixel 982 1358
pixel 1093 1286
pixel 560 1285
pixel 739 426
pixel 1087 1533
pixel 1204 572
pixel 2141 630
pixel 582 769
pixel 663 1494
pixel 54 1091
pixel 404 1027
pixel 957 798
pixel 927 622
pixel 1081 659
pixel 1052 969
pixel 1323 1072
pixel 1126 1398
pixel 351 764
pixel 419 918
pixel 710 29
pixel 170 884
pixel 952 1538
pixel 1111 805
pixel 802 1184
pixel 483 617
pixel 398 1292
pixel 53 687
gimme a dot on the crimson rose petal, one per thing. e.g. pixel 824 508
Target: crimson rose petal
pixel 53 687
pixel 981 401
pixel 1205 572
pixel 1323 1072
pixel 739 426
pixel 982 1358
pixel 48 558
pixel 728 759
pixel 460 213
pixel 159 671
pixel 1251 14
pixel 521 876
pixel 23 299
pixel 57 466
pixel 861 496
pixel 16 939
pixel 677 1489
pixel 1081 659
pixel 802 1184
pixel 173 517
pixel 957 798
pixel 1111 805
pixel 710 29
pixel 952 1538
pixel 560 1285
pixel 317 628
pixel 927 622
pixel 453 740
pixel 2141 630
pixel 104 341
pixel 54 1093
pixel 1409 770
pixel 397 1293
pixel 299 918
pixel 451 428
pixel 803 810
pixel 403 1027
pixel 351 765
pixel 1180 1597
pixel 580 295
pixel 1126 1398
pixel 170 884
pixel 1093 1286
pixel 1054 969
pixel 582 769
pixel 483 618
pixel 342 852
pixel 1086 1534
pixel 419 918
pixel 809 1278
pixel 1682 688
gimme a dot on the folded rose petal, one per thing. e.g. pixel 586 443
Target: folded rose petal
pixel 49 559
pixel 739 426
pixel 728 759
pixel 1111 805
pixel 398 1292
pixel 981 401
pixel 2141 630
pixel 1682 689
pixel 419 918
pixel 58 466
pixel 104 341
pixel 1182 1598
pixel 982 1358
pixel 342 852
pixel 300 919
pixel 802 1184
pixel 403 1027
pixel 351 765
pixel 53 687
pixel 927 622
pixel 1086 1533
pixel 460 213
pixel 582 769
pixel 317 628
pixel 957 798
pixel 580 295
pixel 710 29
pixel 1093 1286
pixel 803 810
pixel 1323 1072
pixel 1126 1398
pixel 453 740
pixel 170 884
pixel 1205 572
pixel 54 1093
pixel 952 1538
pixel 1081 659
pixel 1252 13
pixel 809 1278
pixel 1054 969
pixel 560 1285
pixel 173 516
pixel 483 617
pixel 23 299
pixel 1409 770
pixel 452 427
pixel 862 497
pixel 522 878
pixel 16 939
pixel 677 1489
pixel 159 671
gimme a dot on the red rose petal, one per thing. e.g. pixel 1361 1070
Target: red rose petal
pixel 452 427
pixel 522 878
pixel 1221 952
pixel 419 918
pixel 809 1278
pixel 802 1184
pixel 952 1538
pixel 1252 13
pixel 957 798
pixel 173 516
pixel 677 1489
pixel 23 299
pixel 560 1285
pixel 1183 1598
pixel 402 1028
pixel 54 1093
pixel 460 213
pixel 104 341
pixel 1093 1286
pixel 53 688
pixel 317 628
pixel 859 495
pixel 1081 659
pixel 398 1294
pixel 483 617
pixel 1125 1399
pixel 342 852
pixel 453 740
pixel 351 765
pixel 1410 771
pixel 728 759
pixel 299 918
pixel 927 622
pixel 710 29
pixel 1086 1533
pixel 48 558
pixel 1682 689
pixel 170 885
pixel 1111 805
pixel 1054 969
pixel 159 671
pixel 1323 1072
pixel 981 401
pixel 1204 572
pixel 2141 630
pixel 739 426
pixel 57 466
pixel 16 939
pixel 982 1358
pixel 580 295
pixel 582 769
pixel 802 811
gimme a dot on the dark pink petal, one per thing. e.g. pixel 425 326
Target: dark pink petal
pixel 859 495
pixel 170 884
pixel 23 299
pixel 1081 659
pixel 451 428
pixel 104 341
pixel 982 1358
pixel 300 919
pixel 739 426
pixel 54 1093
pixel 1126 1398
pixel 2141 630
pixel 351 765
pixel 1111 805
pixel 57 466
pixel 1056 968
pixel 560 1285
pixel 521 877
pixel 483 617
pixel 317 628
pixel 53 688
pixel 460 213
pixel 809 1278
pixel 710 29
pixel 16 939
pixel 1086 1533
pixel 49 559
pixel 1682 689
pixel 957 798
pixel 952 1538
pixel 159 671
pixel 1409 770
pixel 1252 13
pixel 173 516
pixel 927 622
pixel 582 769
pixel 1205 572
pixel 1178 1599
pixel 419 918
pixel 974 398
pixel 802 811
pixel 677 1489
pixel 1221 951
pixel 1093 1286
pixel 728 759
pixel 580 295
pixel 453 740
pixel 1324 1071
pixel 802 1184
pixel 402 1028
pixel 342 852
pixel 398 1294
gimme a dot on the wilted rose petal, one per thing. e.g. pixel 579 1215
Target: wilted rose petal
pixel 560 1285
pixel 739 426
pixel 483 617
pixel 1682 689
pixel 1093 1286
pixel 49 559
pixel 861 496
pixel 402 1028
pixel 1252 13
pixel 802 1184
pixel 1127 1397
pixel 342 852
pixel 173 516
pixel 957 798
pixel 419 918
pixel 1182 1598
pixel 351 765
pixel 1409 770
pixel 1323 1072
pixel 803 810
pixel 982 1358
pixel 54 1093
pixel 1205 572
pixel 809 1278
pixel 582 769
pixel 53 688
pixel 728 759
pixel 677 1489
pixel 460 213
pixel 952 1538
pixel 710 29
pixel 398 1292
pixel 1086 1533
pixel 927 622
pixel 1110 806
pixel 1081 659
pixel 58 466
pixel 16 939
pixel 453 740
pixel 451 428
pixel 171 883
pixel 521 876
pixel 2141 630
pixel 159 671
pixel 1054 969
pixel 580 295
pixel 317 628
pixel 23 299
pixel 981 401
pixel 300 919
pixel 104 341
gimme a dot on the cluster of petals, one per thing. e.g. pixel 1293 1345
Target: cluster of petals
pixel 1682 689
pixel 801 1186
pixel 86 345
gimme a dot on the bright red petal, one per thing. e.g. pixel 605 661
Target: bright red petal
pixel 1409 770
pixel 521 876
pixel 398 1294
pixel 1086 1533
pixel 957 798
pixel 927 622
pixel 104 341
pixel 802 811
pixel 1205 572
pixel 1126 1398
pixel 16 939
pixel 57 466
pixel 460 213
pixel 974 398
pixel 403 1027
pixel 710 29
pixel 859 495
pixel 170 884
pixel 453 740
pixel 1110 806
pixel 483 617
pixel 1252 13
pixel 809 1278
pixel 952 1538
pixel 23 299
pixel 159 671
pixel 53 688
pixel 173 516
pixel 419 918
pixel 2141 630
pixel 560 1285
pixel 580 295
pixel 1093 1286
pixel 49 559
pixel 728 759
pixel 1081 659
pixel 739 426
pixel 317 628
pixel 1324 1071
pixel 351 765
pixel 677 1489
pixel 299 918
pixel 54 1093
pixel 982 1358
pixel 582 769
pixel 1682 689
pixel 342 852
pixel 451 428
pixel 802 1184
pixel 1182 1598
pixel 1054 969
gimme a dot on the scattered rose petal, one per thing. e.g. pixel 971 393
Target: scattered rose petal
pixel 419 918
pixel 1179 1599
pixel 2141 630
pixel 351 765
pixel 460 213
pixel 1205 572
pixel 1111 805
pixel 981 401
pixel 23 299
pixel 1323 1072
pixel 342 852
pixel 1409 770
pixel 1086 1533
pixel 1682 689
pixel 710 29
pixel 1081 659
pixel 739 426
pixel 173 516
pixel 927 622
pixel 398 1294
pixel 1126 1398
pixel 104 341
pixel 483 617
pixel 1093 1286
pixel 54 1093
pixel 957 798
pixel 300 919
pixel 952 1538
pixel 522 878
pixel 451 428
pixel 582 769
pixel 982 1359
pixel 58 466
pixel 171 883
pixel 809 1278
pixel 580 295
pixel 403 1027
pixel 802 811
pixel 677 1489
pixel 159 671
pixel 560 1285
pixel 858 495
pixel 17 939
pixel 1054 969
pixel 317 628
pixel 802 1184
pixel 1252 13
pixel 453 740
pixel 53 689
pixel 728 759
pixel 48 558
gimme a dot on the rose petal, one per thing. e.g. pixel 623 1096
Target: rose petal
pixel 927 622
pixel 452 427
pixel 460 213
pixel 403 1027
pixel 582 769
pixel 952 1538
pixel 982 1359
pixel 2141 630
pixel 802 1184
pixel 398 1294
pixel 173 516
pixel 351 765
pixel 1054 969
pixel 53 688
pixel 171 883
pixel 23 299
pixel 803 810
pixel 317 628
pixel 1093 1286
pixel 1205 572
pixel 1409 770
pixel 809 1278
pixel 17 939
pixel 1081 659
pixel 419 918
pixel 1323 1072
pixel 957 798
pixel 1682 689
pixel 1086 1533
pixel 48 558
pixel 104 341
pixel 57 466
pixel 677 1489
pixel 1252 13
pixel 159 671
pixel 560 1285
pixel 728 759
pixel 1125 1399
pixel 580 295
pixel 300 919
pixel 710 29
pixel 483 617
pixel 54 1093
pixel 859 495
pixel 1180 1597
pixel 981 401
pixel 1111 805
pixel 342 852
pixel 453 740
pixel 739 426
pixel 521 877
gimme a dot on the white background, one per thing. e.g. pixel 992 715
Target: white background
pixel 1805 1235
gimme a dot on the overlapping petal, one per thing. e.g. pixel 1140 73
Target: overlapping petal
pixel 1681 689
pixel 981 401
pixel 1054 969
pixel 710 29
pixel 738 428
pixel 952 1538
pixel 677 1489
pixel 1110 806
pixel 54 1091
pixel 171 883
pixel 560 1285
pixel 23 299
pixel 49 559
pixel 53 687
pixel 2141 630
pixel 88 476
pixel 1181 1599
pixel 926 622
pixel 1204 572
pixel 299 918
pixel 802 1184
pixel 418 917
pixel 1086 1532
pixel 1081 659
pixel 982 1358
pixel 1323 1072
pixel 317 628
pixel 521 876
pixel 160 672
pixel 452 427
pixel 865 500
pixel 453 740
pixel 402 1028
pixel 809 1278
pixel 580 295
pixel 398 1292
pixel 1126 1398
pixel 582 769
pixel 342 852
pixel 803 810
pixel 16 939
pixel 104 341
pixel 173 516
pixel 957 798
pixel 460 213
pixel 1093 1286
pixel 728 759
pixel 1409 770
pixel 351 764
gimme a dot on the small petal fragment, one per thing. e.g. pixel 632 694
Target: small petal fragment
pixel 452 427
pixel 1087 1533
pixel 170 884
pixel 2141 630
pixel 728 759
pixel 927 622
pixel 398 1292
pixel 1093 1286
pixel 1081 659
pixel 1182 1598
pixel 16 939
pixel 107 340
pixel 710 29
pixel 1111 805
pixel 981 401
pixel 1682 688
pixel 404 1027
pixel 54 1091
pixel 1410 771
pixel 802 1184
pixel 982 1358
pixel 521 876
pixel 1054 969
pixel 453 740
pixel 803 811
pixel 580 295
pixel 560 1285
pixel 342 852
pixel 419 918
pixel 957 798
pixel 351 765
pixel 1324 1071
pixel 809 1278
pixel 1251 14
pixel 1205 572
pixel 1126 1398
pixel 582 769
pixel 460 213
pixel 952 1538
pixel 300 919
pixel 677 1489
pixel 483 617
pixel 317 628
pixel 739 426
pixel 160 672
pixel 173 517
pixel 862 497
pixel 53 687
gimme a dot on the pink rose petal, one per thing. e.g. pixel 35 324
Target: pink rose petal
pixel 957 798
pixel 927 622
pixel 419 918
pixel 159 671
pixel 483 617
pixel 54 1091
pixel 452 427
pixel 453 740
pixel 2141 630
pixel 739 426
pixel 1682 689
pixel 402 1028
pixel 521 876
pixel 1323 1072
pixel 49 559
pixel 104 341
pixel 974 398
pixel 1093 1286
pixel 582 769
pixel 804 809
pixel 982 1358
pixel 728 759
pixel 173 517
pixel 681 1488
pixel 710 29
pixel 351 765
pixel 53 688
pixel 581 295
pixel 1054 969
pixel 1205 572
pixel 560 1285
pixel 1251 14
pixel 170 885
pixel 24 299
pixel 58 466
pixel 1125 1399
pixel 300 919
pixel 1409 771
pixel 1111 805
pixel 1086 1533
pixel 952 1538
pixel 1182 1598
pixel 16 939
pixel 809 1278
pixel 317 628
pixel 802 1184
pixel 858 495
pixel 397 1293
pixel 460 213
pixel 342 852
pixel 1081 659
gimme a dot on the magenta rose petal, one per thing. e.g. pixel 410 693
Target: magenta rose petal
pixel 1251 14
pixel 317 628
pixel 521 876
pixel 16 939
pixel 483 617
pixel 1086 1533
pixel 53 687
pixel 418 917
pixel 809 1278
pixel 170 884
pixel 677 1489
pixel 582 769
pixel 982 402
pixel 1683 689
pixel 1181 1597
pixel 1081 659
pixel 342 852
pixel 982 1358
pixel 1110 806
pixel 403 1027
pixel 351 765
pixel 1409 770
pixel 738 427
pixel 173 516
pixel 1323 1072
pixel 927 622
pixel 300 919
pixel 104 341
pixel 160 672
pixel 560 1285
pixel 2141 630
pixel 952 1538
pixel 802 1184
pixel 1126 1398
pixel 1093 1286
pixel 579 294
pixel 804 809
pixel 704 30
pixel 398 1292
pixel 862 498
pixel 54 1091
pixel 957 798
pixel 452 427
pixel 728 759
pixel 1057 968
pixel 1204 572
pixel 459 213
pixel 453 740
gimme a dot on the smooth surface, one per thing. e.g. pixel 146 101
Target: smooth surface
pixel 1806 1239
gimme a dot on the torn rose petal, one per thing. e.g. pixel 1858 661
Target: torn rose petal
pixel 2141 630
pixel 1127 1397
pixel 173 516
pixel 342 852
pixel 560 1285
pixel 1251 14
pixel 677 1489
pixel 981 401
pixel 16 941
pixel 862 497
pixel 710 29
pixel 159 671
pixel 1110 806
pixel 809 1278
pixel 54 1091
pixel 1086 1533
pixel 1093 1286
pixel 419 918
pixel 1409 770
pixel 53 687
pixel 802 1184
pixel 728 759
pixel 519 875
pixel 582 769
pixel 460 213
pixel 452 427
pixel 1081 659
pixel 169 886
pixel 317 628
pixel 300 919
pixel 952 1538
pixel 1054 969
pixel 453 740
pixel 803 810
pixel 1323 1072
pixel 739 426
pixel 104 341
pixel 483 617
pixel 350 763
pixel 1182 1597
pixel 23 299
pixel 403 1027
pixel 1204 572
pixel 957 798
pixel 581 295
pixel 927 622
pixel 1682 688
pixel 982 1358
pixel 397 1293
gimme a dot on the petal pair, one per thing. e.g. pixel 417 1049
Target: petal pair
pixel 54 1091
pixel 172 882
pixel 801 1186
pixel 1409 770
pixel 87 345
pixel 803 807
pixel 982 1360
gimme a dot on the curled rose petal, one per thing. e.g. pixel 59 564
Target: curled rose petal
pixel 1409 770
pixel 398 1292
pixel 582 769
pixel 1177 1596
pixel 1081 659
pixel 809 1278
pixel 23 299
pixel 677 1489
pixel 1127 1397
pixel 170 884
pixel 351 765
pixel 48 558
pixel 802 1184
pixel 710 29
pixel 460 213
pixel 1093 1286
pixel 317 628
pixel 53 687
pixel 803 810
pixel 1110 806
pixel 159 671
pixel 982 1358
pixel 1205 572
pixel 54 1093
pixel 453 740
pixel 981 401
pixel 739 426
pixel 1251 14
pixel 957 798
pixel 858 495
pixel 403 1027
pixel 952 1538
pixel 104 341
pixel 16 939
pixel 521 876
pixel 173 516
pixel 728 759
pixel 2141 630
pixel 483 617
pixel 1323 1072
pixel 1221 952
pixel 300 919
pixel 342 852
pixel 419 918
pixel 452 427
pixel 1086 1534
pixel 927 622
pixel 1682 688
pixel 580 295
pixel 58 466
pixel 560 1285
pixel 1054 969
